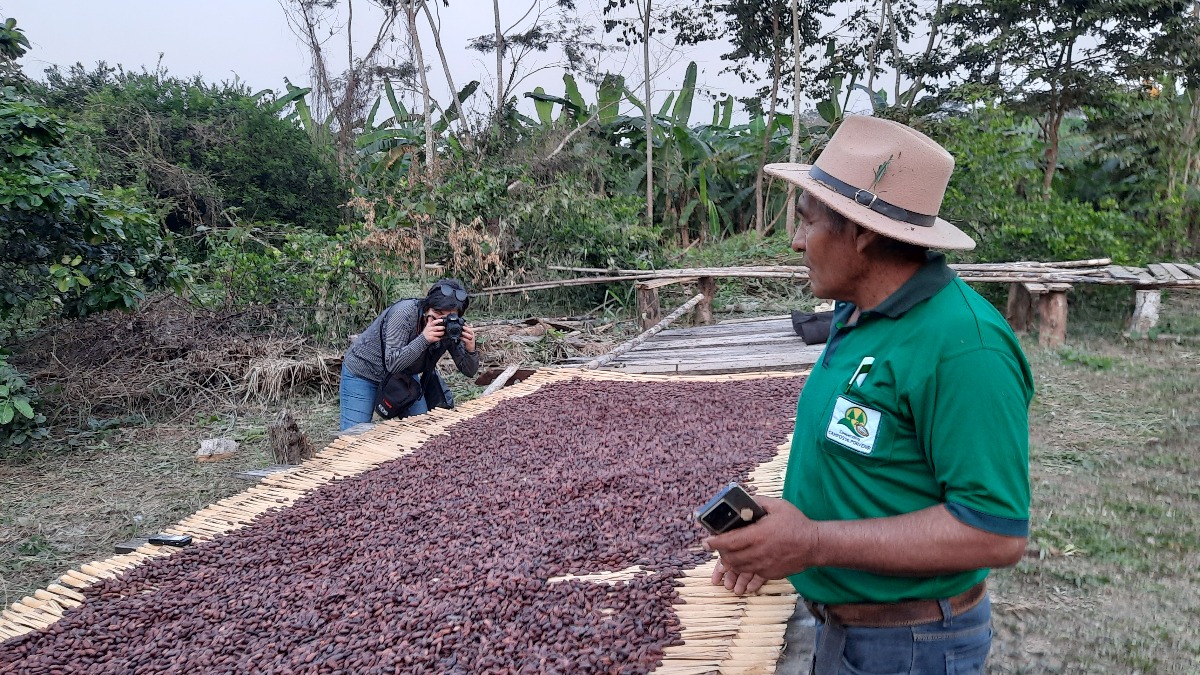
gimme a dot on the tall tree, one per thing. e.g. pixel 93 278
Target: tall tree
pixel 1052 58
pixel 794 142
pixel 773 33
pixel 545 26
pixel 411 9
pixel 640 28
pixel 342 97
pixel 436 29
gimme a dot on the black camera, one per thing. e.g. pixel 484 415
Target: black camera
pixel 453 323
pixel 732 508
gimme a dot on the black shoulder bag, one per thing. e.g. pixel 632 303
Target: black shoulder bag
pixel 396 392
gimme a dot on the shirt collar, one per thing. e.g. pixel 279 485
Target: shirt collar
pixel 928 280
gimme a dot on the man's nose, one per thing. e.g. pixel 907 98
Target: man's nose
pixel 798 240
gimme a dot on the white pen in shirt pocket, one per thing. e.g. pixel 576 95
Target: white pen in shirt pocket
pixel 860 373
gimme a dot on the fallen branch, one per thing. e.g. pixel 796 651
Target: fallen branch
pixel 502 379
pixel 650 332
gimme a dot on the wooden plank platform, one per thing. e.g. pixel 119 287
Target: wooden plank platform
pixel 741 346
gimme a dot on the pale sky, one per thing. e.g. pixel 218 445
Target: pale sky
pixel 251 39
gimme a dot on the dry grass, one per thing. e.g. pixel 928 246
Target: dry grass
pixel 170 358
pixel 1110 585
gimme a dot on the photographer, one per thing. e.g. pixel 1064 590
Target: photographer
pixel 406 341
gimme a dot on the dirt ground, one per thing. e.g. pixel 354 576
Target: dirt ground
pixel 1109 585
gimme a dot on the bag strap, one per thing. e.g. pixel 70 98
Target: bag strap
pixel 383 344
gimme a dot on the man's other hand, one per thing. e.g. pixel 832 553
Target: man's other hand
pixel 741 584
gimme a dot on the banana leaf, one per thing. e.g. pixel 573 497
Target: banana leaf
pixel 666 106
pixel 573 95
pixel 683 105
pixel 369 125
pixel 609 98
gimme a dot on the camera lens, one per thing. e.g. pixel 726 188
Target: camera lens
pixel 721 517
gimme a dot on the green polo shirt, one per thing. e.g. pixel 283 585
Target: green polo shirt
pixel 923 401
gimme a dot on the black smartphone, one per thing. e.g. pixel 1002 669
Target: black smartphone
pixel 170 539
pixel 732 508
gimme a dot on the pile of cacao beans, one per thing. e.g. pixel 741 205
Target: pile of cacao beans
pixel 442 561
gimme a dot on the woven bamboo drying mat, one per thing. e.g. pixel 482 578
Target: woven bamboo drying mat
pixel 722 632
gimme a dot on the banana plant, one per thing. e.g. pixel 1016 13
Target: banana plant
pixel 320 133
pixel 390 146
pixel 574 110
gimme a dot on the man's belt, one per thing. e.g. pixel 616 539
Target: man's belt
pixel 894 614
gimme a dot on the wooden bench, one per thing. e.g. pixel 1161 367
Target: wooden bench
pixel 1037 290
pixel 1048 301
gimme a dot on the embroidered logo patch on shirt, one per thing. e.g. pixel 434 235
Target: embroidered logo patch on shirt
pixel 853 426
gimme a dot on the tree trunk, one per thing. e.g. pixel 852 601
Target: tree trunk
pixel 1053 126
pixel 499 65
pixel 648 114
pixel 895 51
pixel 918 84
pixel 437 43
pixel 794 146
pixel 776 68
pixel 873 55
pixel 345 138
pixel 410 12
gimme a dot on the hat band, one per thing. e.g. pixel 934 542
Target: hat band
pixel 870 200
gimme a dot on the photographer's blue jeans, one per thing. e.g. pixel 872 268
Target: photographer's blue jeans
pixel 357 396
pixel 957 645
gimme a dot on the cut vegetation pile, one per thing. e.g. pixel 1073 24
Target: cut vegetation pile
pixel 171 357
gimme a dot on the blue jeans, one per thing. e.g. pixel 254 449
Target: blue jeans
pixel 357 396
pixel 955 646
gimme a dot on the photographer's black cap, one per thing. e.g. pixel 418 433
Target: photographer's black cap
pixel 448 294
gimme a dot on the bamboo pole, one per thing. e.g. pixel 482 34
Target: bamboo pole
pixel 626 346
pixel 1093 271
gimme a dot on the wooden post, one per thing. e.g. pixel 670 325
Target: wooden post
pixel 649 313
pixel 1145 312
pixel 1020 304
pixel 1052 324
pixel 708 288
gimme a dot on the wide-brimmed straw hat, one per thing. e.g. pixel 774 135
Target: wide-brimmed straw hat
pixel 885 176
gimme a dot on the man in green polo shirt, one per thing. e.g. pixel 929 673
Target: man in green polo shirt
pixel 909 470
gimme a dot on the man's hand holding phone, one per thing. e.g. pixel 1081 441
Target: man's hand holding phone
pixel 772 548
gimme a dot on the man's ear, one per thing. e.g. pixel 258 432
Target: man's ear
pixel 864 238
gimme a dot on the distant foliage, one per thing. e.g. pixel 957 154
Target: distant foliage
pixel 64 244
pixel 209 154
pixel 995 193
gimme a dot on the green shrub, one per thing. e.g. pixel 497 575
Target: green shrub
pixel 20 419
pixel 322 283
pixel 62 241
pixel 199 149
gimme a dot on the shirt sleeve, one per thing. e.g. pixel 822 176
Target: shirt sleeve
pixel 467 362
pixel 977 439
pixel 400 350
